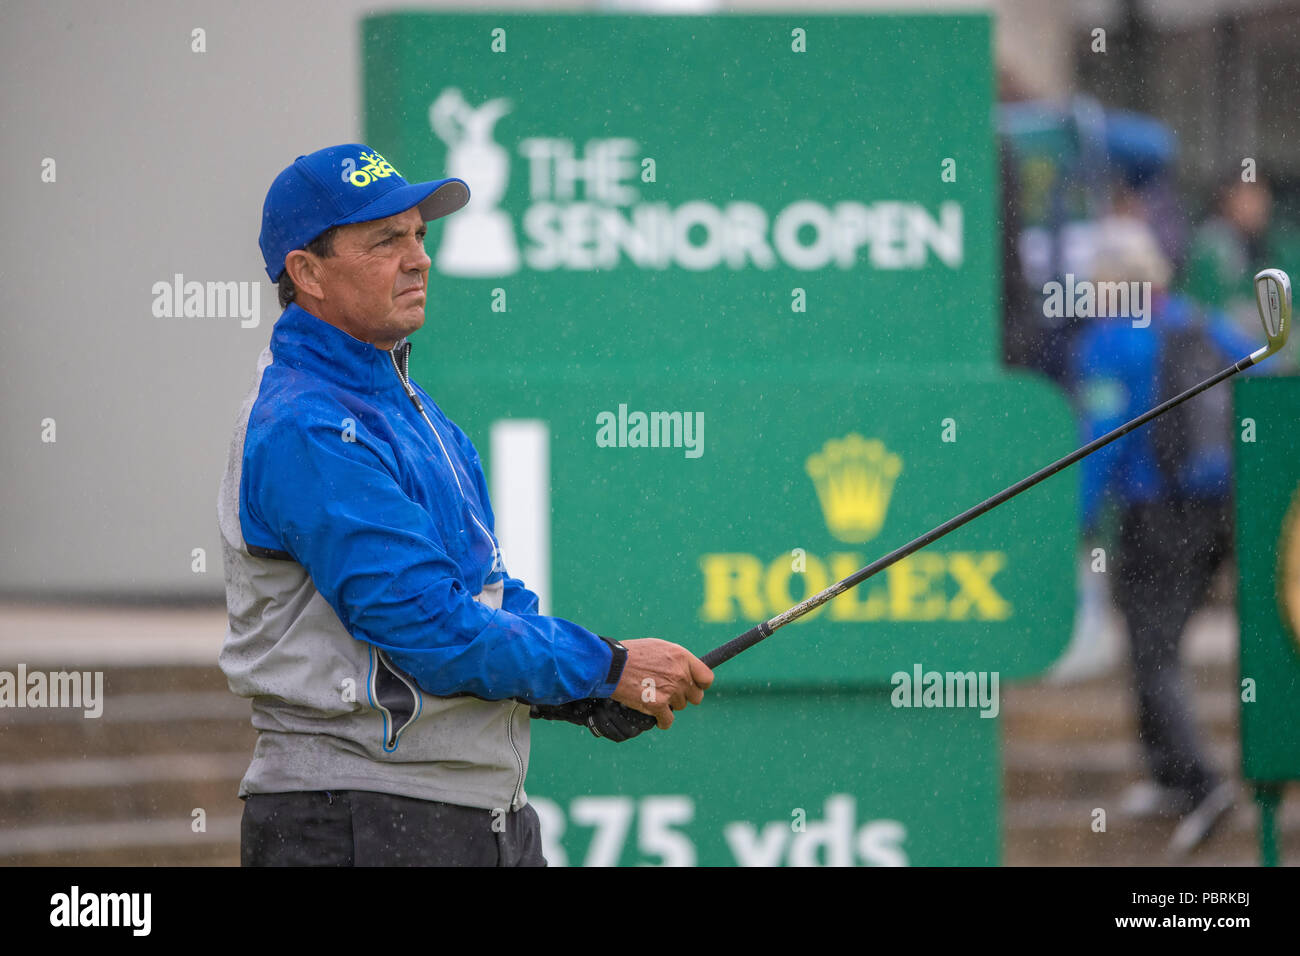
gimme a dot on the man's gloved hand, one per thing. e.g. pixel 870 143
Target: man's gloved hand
pixel 602 716
pixel 664 675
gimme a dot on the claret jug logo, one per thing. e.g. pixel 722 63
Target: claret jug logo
pixel 480 239
pixel 854 479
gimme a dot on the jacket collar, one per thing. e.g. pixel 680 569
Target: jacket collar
pixel 303 341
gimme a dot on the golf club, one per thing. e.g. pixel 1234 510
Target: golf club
pixel 1273 298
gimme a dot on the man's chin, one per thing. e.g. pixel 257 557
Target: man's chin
pixel 409 319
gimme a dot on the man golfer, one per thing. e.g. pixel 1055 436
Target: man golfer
pixel 392 662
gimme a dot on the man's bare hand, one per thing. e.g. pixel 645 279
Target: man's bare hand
pixel 660 677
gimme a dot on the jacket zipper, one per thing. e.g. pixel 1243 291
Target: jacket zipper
pixel 519 758
pixel 403 377
pixel 419 407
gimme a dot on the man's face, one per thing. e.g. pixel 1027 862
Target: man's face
pixel 1248 207
pixel 374 285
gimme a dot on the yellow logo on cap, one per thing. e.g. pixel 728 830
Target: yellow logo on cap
pixel 376 168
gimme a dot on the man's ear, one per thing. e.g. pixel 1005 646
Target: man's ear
pixel 305 271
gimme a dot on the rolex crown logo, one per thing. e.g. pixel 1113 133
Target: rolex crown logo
pixel 854 478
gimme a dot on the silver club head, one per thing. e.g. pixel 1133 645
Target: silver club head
pixel 1273 296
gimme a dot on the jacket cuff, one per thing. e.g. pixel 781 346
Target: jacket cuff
pixel 617 661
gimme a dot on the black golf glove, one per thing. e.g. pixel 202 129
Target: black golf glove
pixel 603 716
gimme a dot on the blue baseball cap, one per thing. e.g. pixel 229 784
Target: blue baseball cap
pixel 341 185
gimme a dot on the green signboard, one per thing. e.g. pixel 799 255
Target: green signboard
pixel 656 189
pixel 720 317
pixel 797 484
pixel 771 779
pixel 1268 560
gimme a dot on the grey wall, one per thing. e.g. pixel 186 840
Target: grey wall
pixel 163 157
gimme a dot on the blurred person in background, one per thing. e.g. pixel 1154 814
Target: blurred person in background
pixel 1237 240
pixel 1170 484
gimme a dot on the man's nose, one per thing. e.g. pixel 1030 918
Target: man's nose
pixel 418 258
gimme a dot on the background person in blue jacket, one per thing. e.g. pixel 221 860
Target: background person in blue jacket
pixel 392 662
pixel 1174 502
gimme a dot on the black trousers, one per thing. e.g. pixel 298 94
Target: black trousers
pixel 1168 553
pixel 361 828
